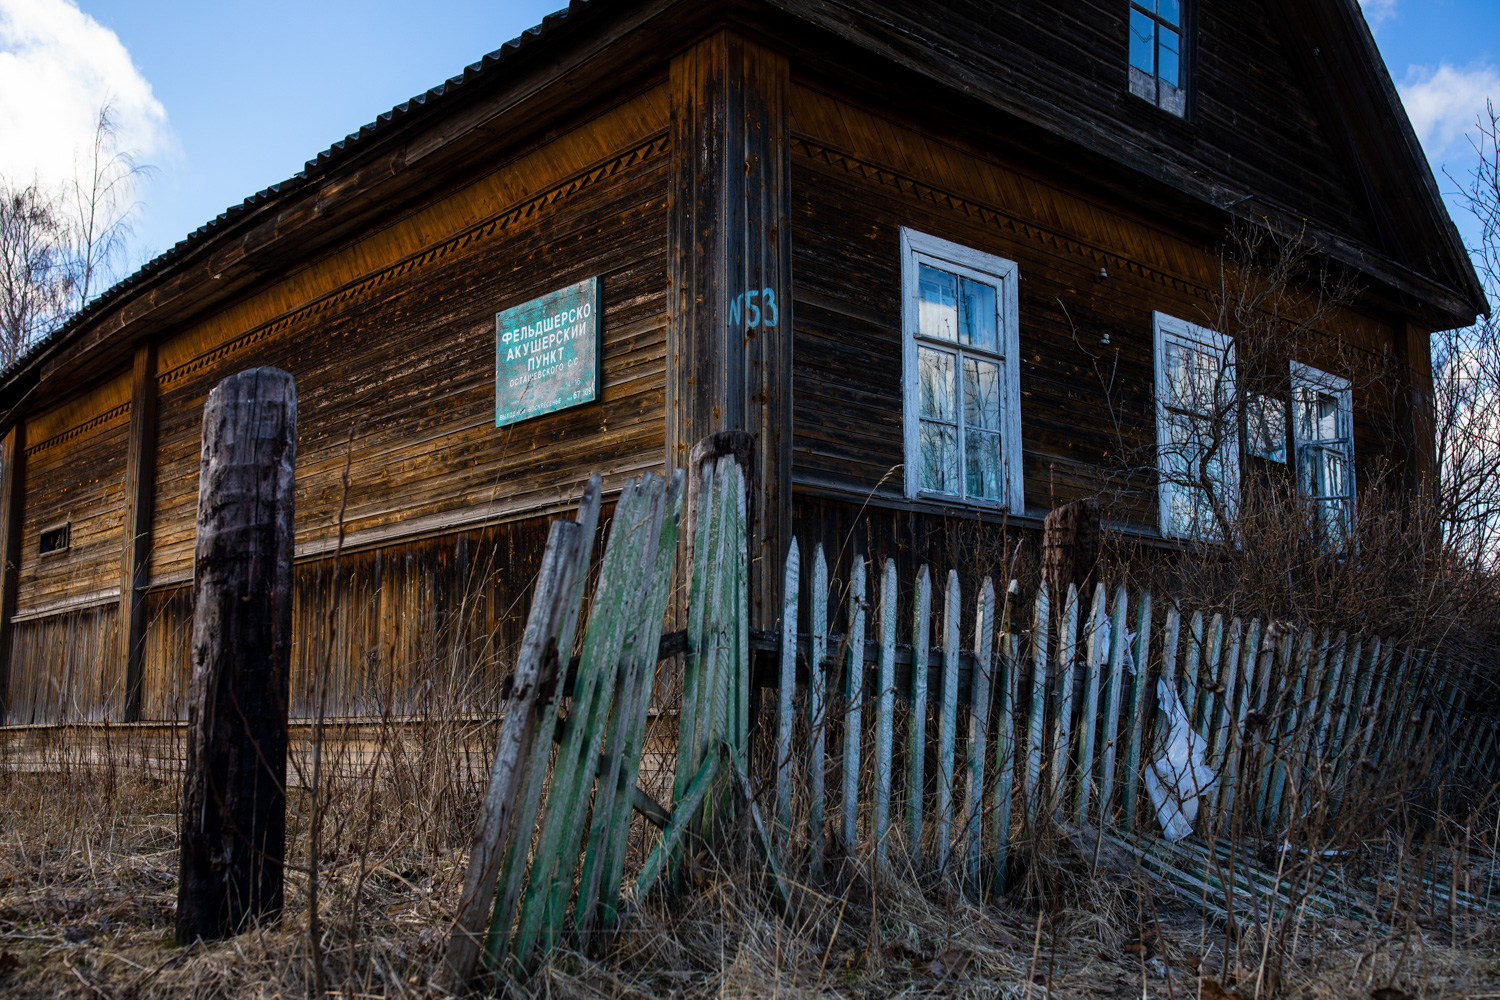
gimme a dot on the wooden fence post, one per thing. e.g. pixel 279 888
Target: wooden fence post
pixel 234 790
pixel 1070 546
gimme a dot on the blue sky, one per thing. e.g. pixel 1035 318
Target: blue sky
pixel 226 99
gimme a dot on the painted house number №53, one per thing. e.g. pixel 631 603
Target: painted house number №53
pixel 754 313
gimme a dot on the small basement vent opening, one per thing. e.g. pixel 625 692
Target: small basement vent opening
pixel 55 539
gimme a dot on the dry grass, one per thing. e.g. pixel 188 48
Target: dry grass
pixel 88 870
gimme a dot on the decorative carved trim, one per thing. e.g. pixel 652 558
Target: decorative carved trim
pixel 83 428
pixel 652 148
pixel 507 219
pixel 990 215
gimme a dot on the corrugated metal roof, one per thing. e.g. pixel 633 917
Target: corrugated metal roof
pixel 316 167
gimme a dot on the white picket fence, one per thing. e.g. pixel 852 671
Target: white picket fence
pixel 1052 716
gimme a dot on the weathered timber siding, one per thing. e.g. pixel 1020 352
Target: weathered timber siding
pixel 426 626
pixel 64 663
pixel 75 468
pixel 858 179
pixel 393 336
pixel 1087 424
pixel 410 365
pixel 63 667
pixel 1253 128
pixel 914 539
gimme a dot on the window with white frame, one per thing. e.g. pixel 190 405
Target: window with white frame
pixel 1323 441
pixel 1158 70
pixel 1197 436
pixel 961 405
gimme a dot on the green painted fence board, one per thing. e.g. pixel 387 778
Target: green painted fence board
pixel 786 690
pixel 1113 683
pixel 644 653
pixel 543 904
pixel 1249 667
pixel 1136 713
pixel 885 710
pixel 916 726
pixel 979 721
pixel 1088 716
pixel 1005 736
pixel 1067 655
pixel 854 694
pixel 683 816
pixel 611 788
pixel 1041 626
pixel 947 721
pixel 817 708
pixel 1187 683
pixel 518 845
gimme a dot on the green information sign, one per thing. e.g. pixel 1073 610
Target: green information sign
pixel 547 354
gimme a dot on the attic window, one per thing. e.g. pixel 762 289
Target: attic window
pixel 54 540
pixel 1157 70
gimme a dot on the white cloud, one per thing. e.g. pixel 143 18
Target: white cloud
pixel 1445 103
pixel 58 67
pixel 1377 12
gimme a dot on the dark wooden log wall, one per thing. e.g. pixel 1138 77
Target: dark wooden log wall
pixel 1254 130
pixel 62 667
pixel 425 625
pixel 730 342
pixel 63 652
pixel 75 466
pixel 407 356
pixel 394 335
pixel 1088 426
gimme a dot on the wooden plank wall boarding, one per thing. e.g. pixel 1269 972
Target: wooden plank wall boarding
pixel 368 331
pixel 729 349
pixel 12 501
pixel 1054 722
pixel 860 176
pixel 422 627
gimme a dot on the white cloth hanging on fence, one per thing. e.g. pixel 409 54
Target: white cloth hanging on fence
pixel 1128 659
pixel 1175 780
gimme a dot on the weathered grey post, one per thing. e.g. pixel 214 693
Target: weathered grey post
pixel 234 791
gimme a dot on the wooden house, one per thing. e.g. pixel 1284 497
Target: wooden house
pixel 942 260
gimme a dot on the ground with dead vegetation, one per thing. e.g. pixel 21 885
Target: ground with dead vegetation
pixel 88 870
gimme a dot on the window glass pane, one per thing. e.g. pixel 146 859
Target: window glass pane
pixel 1304 417
pixel 1335 474
pixel 1179 380
pixel 1265 428
pixel 1333 519
pixel 1309 472
pixel 1142 42
pixel 1218 467
pixel 982 465
pixel 1192 378
pixel 978 314
pixel 939 448
pixel 1170 11
pixel 935 384
pixel 1328 417
pixel 1167 57
pixel 1146 4
pixel 1189 513
pixel 938 306
pixel 981 394
pixel 1316 415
